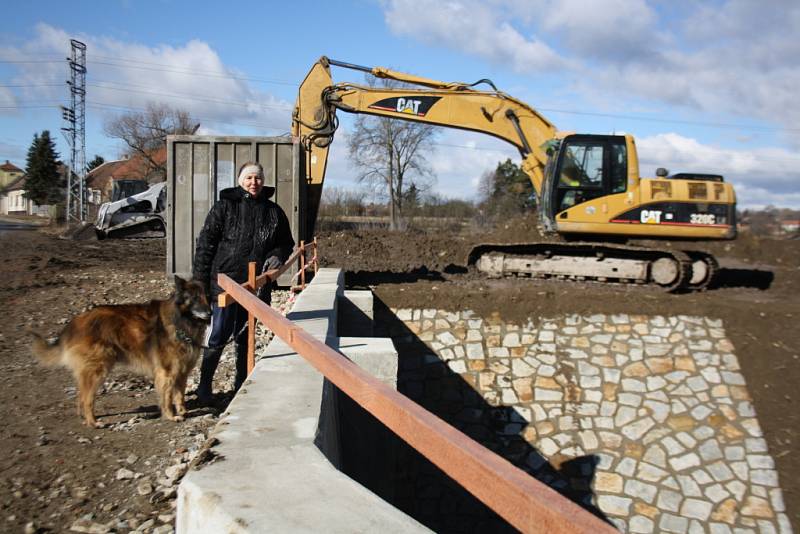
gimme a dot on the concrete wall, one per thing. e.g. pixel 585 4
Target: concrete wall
pixel 273 467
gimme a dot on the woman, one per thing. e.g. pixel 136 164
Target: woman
pixel 243 226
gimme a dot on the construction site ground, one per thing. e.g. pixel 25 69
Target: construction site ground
pixel 56 474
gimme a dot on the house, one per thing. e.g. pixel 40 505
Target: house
pixel 114 180
pixel 12 192
pixel 9 174
pixel 14 201
pixel 790 226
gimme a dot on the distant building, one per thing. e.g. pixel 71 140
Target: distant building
pixel 12 192
pixel 9 173
pixel 10 178
pixel 14 202
pixel 118 179
pixel 790 227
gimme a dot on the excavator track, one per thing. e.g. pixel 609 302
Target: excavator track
pixel 668 269
pixel 705 270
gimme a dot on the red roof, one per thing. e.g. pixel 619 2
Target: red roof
pixel 133 168
pixel 9 167
pixel 100 175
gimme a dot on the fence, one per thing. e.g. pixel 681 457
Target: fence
pixel 523 501
pixel 254 283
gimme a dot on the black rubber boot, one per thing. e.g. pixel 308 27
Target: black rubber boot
pixel 241 364
pixel 208 367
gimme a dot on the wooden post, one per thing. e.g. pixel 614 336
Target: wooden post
pixel 315 259
pixel 302 265
pixel 251 321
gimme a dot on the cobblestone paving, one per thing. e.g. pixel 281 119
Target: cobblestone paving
pixel 659 401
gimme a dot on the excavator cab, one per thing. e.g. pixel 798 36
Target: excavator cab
pixel 587 167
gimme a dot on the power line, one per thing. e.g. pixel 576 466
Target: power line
pixel 35 106
pixel 19 61
pixel 27 85
pixel 101 106
pixel 188 96
pixel 197 72
pixel 105 106
pixel 194 72
pixel 672 121
pixel 729 126
pixel 201 98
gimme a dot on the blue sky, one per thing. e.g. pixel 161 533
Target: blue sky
pixel 703 86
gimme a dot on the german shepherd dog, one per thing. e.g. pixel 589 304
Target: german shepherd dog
pixel 161 339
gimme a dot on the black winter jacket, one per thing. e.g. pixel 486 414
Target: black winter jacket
pixel 239 229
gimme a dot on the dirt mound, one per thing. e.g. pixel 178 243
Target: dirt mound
pixel 381 250
pixel 79 232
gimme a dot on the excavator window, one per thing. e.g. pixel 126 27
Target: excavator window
pixel 581 176
pixel 619 167
pixel 590 167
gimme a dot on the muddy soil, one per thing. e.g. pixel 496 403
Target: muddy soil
pixel 56 473
pixel 757 297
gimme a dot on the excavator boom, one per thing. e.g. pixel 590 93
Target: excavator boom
pixel 450 104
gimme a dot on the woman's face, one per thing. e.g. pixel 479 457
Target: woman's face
pixel 253 183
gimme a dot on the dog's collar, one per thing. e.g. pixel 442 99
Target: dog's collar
pixel 183 337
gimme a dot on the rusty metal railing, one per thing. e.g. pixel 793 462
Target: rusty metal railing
pixel 520 499
pixel 254 283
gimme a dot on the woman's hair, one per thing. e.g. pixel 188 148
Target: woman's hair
pixel 244 168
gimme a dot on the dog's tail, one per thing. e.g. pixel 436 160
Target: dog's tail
pixel 46 352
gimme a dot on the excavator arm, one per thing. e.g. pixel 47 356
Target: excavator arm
pixel 455 105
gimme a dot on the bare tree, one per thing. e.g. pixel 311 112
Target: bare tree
pixel 145 132
pixel 390 154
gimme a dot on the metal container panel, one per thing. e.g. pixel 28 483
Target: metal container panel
pixel 200 166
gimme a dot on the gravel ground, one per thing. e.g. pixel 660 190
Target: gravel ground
pixel 57 475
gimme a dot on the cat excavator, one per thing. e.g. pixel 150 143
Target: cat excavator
pixel 588 187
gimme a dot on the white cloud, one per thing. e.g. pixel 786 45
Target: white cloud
pixel 603 28
pixel 122 74
pixel 460 159
pixel 471 27
pixel 736 58
pixel 760 176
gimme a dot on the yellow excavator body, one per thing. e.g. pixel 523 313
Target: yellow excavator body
pixel 586 185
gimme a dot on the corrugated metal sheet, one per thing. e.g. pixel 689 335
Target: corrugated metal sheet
pixel 199 167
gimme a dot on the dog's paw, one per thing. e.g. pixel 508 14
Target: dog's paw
pixel 94 424
pixel 176 418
